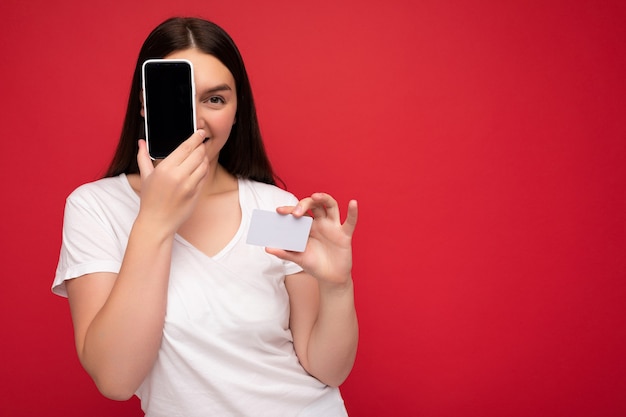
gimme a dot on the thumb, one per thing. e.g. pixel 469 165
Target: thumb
pixel 295 257
pixel 144 161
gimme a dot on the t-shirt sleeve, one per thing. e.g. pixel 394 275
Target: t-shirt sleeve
pixel 88 245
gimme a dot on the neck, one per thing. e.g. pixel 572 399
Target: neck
pixel 219 181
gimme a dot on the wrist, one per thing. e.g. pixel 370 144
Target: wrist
pixel 151 230
pixel 341 287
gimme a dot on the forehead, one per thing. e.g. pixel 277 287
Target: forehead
pixel 208 70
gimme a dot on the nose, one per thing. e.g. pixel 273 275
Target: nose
pixel 200 123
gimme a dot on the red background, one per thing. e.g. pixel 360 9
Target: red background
pixel 484 140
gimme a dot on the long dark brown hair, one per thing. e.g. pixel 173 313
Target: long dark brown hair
pixel 243 155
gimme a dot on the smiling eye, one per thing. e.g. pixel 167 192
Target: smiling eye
pixel 216 100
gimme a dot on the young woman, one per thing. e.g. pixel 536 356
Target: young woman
pixel 167 300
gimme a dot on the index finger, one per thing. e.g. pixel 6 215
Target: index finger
pixel 324 204
pixel 187 147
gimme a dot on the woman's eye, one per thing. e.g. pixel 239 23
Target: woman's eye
pixel 216 100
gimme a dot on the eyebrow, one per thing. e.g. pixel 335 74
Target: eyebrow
pixel 221 87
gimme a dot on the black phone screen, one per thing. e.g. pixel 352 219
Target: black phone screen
pixel 169 105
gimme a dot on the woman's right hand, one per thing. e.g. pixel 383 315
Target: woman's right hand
pixel 170 189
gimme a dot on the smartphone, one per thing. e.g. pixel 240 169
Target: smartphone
pixel 169 104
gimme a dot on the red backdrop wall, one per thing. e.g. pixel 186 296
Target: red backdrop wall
pixel 484 140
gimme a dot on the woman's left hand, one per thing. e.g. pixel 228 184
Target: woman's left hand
pixel 328 253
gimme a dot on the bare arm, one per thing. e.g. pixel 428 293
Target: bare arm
pixel 118 318
pixel 324 326
pixel 323 318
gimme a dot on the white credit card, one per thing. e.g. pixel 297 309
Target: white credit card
pixel 282 231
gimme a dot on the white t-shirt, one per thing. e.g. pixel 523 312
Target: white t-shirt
pixel 227 349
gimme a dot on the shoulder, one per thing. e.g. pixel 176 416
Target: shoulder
pixel 266 195
pixel 103 190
